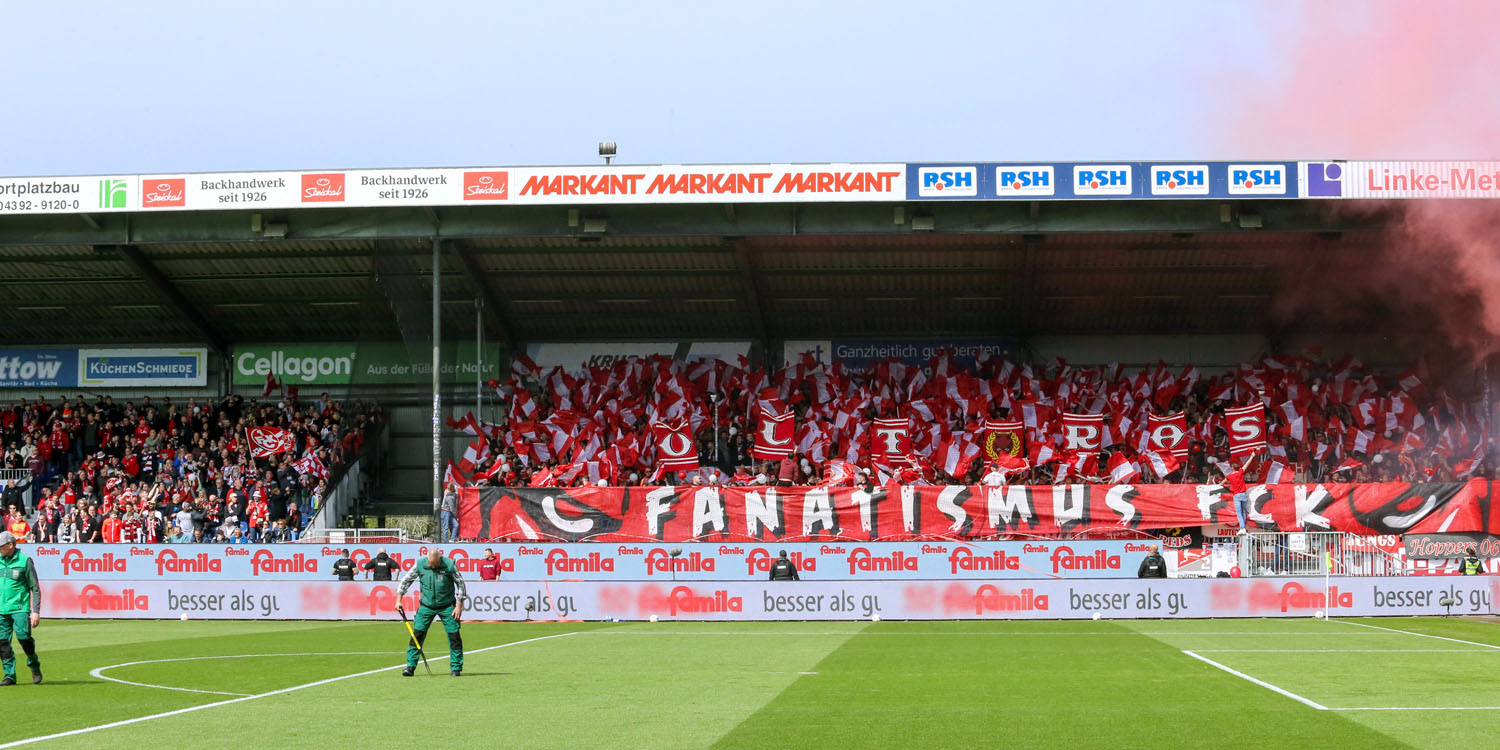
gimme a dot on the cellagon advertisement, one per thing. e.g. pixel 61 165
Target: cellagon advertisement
pixel 348 363
pixel 804 600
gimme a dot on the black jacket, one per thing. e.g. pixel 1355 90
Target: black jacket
pixel 344 569
pixel 384 567
pixel 1154 566
pixel 784 570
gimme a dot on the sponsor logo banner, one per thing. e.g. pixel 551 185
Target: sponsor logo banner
pixel 38 368
pixel 914 352
pixel 1448 546
pixel 840 514
pixel 806 600
pixel 1400 179
pixel 589 561
pixel 132 368
pixel 1120 180
pixel 572 356
pixel 356 364
pixel 56 195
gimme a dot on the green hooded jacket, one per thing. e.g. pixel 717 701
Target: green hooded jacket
pixel 440 586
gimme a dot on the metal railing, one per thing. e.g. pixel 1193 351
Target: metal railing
pixel 351 487
pixel 357 536
pixel 1312 553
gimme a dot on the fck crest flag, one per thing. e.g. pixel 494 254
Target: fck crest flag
pixel 269 441
pixel 774 436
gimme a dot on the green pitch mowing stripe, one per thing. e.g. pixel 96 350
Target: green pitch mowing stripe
pixel 1046 684
pixel 580 690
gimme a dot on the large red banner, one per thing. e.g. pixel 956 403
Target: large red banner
pixel 619 514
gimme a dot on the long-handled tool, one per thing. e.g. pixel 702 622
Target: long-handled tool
pixel 415 642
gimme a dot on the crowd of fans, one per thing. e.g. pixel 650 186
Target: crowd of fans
pixel 161 471
pixel 1326 420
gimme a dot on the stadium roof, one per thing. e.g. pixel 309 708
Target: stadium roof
pixel 705 272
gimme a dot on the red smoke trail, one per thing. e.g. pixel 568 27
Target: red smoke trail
pixel 1388 79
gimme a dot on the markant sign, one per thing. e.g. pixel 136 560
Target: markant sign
pixel 349 364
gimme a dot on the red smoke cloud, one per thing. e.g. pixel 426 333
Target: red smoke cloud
pixel 1387 79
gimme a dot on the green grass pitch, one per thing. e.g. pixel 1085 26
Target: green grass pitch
pixel 1366 683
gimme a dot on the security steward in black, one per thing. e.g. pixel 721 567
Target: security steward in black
pixel 385 568
pixel 784 569
pixel 1473 565
pixel 344 567
pixel 1154 566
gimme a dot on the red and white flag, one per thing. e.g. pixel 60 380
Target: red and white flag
pixel 269 441
pixel 1247 430
pixel 311 464
pixel 1006 464
pixel 774 437
pixel 675 450
pixel 1122 469
pixel 837 473
pixel 1083 433
pixel 1278 473
pixel 271 385
pixel 891 438
pixel 1169 434
pixel 1161 463
pixel 1349 464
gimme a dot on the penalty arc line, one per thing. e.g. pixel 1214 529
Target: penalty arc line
pixel 242 699
pixel 1261 683
pixel 99 671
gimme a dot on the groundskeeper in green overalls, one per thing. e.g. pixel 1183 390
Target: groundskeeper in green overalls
pixel 443 596
pixel 20 609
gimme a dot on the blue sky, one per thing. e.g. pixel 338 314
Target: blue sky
pixel 206 86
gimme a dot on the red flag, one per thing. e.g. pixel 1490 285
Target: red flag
pixel 773 439
pixel 1083 433
pixel 543 478
pixel 1121 469
pixel 1278 473
pixel 1247 429
pixel 269 441
pixel 311 464
pixel 1161 463
pixel 1005 465
pixel 837 473
pixel 675 450
pixel 271 384
pixel 1169 434
pixel 1004 438
pixel 468 425
pixel 1349 464
pixel 891 438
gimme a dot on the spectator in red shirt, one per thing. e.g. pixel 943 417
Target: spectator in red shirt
pixel 1235 481
pixel 112 528
pixel 489 567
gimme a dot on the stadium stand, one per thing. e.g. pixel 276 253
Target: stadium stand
pixel 1324 420
pixel 226 471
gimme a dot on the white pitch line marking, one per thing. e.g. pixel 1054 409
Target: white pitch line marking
pixel 1422 708
pixel 242 699
pixel 99 671
pixel 1421 635
pixel 1261 683
pixel 1343 651
pixel 1008 633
